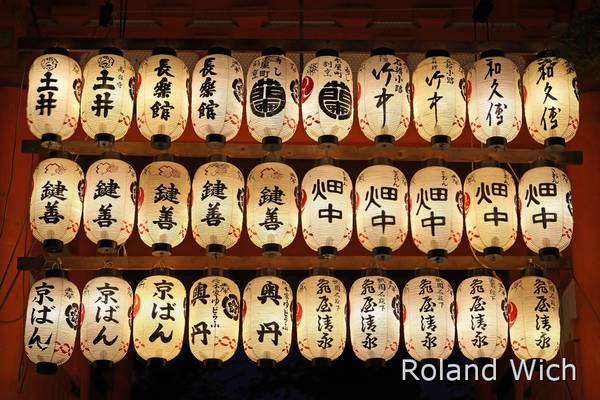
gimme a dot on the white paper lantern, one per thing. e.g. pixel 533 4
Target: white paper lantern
pixel 162 98
pixel 109 206
pixel 327 98
pixel 51 321
pixel 53 96
pixel 163 200
pixel 546 210
pixel 383 93
pixel 436 215
pixel 439 98
pixel 267 319
pixel 490 198
pixel 321 318
pixel 326 207
pixel 214 319
pixel 272 210
pixel 551 100
pixel 217 206
pixel 494 99
pixel 374 319
pixel 106 311
pixel 534 318
pixel 381 205
pixel 481 317
pixel 56 202
pixel 159 318
pixel 217 97
pixel 272 91
pixel 428 309
pixel 107 96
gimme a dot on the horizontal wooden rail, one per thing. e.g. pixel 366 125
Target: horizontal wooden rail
pixel 285 262
pixel 313 152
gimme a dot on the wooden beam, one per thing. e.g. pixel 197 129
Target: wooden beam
pixel 313 152
pixel 285 262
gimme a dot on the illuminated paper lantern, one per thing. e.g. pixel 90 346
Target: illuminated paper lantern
pixel 546 210
pixel 439 98
pixel 326 207
pixel 534 318
pixel 272 98
pixel 217 206
pixel 494 99
pixel 436 213
pixel 383 92
pixel 327 98
pixel 490 198
pixel 163 205
pixel 107 96
pixel 481 317
pixel 267 320
pixel 214 319
pixel 381 209
pixel 551 100
pixel 106 309
pixel 428 309
pixel 53 96
pixel 217 97
pixel 162 97
pixel 109 206
pixel 159 318
pixel 56 202
pixel 272 210
pixel 51 321
pixel 321 318
pixel 374 319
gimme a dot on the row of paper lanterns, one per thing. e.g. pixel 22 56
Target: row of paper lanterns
pixel 381 202
pixel 159 308
pixel 440 92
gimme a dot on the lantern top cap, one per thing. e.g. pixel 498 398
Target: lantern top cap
pixel 327 52
pixel 547 53
pixel 383 51
pixel 543 163
pixel 427 272
pixel 273 51
pixel 492 53
pixel 111 155
pixel 108 271
pixel 56 50
pixel 164 50
pixel 160 271
pixel 59 154
pixel 115 51
pixel 437 53
pixel 219 50
pixel 164 157
pixel 533 270
pixel 435 162
pixel 482 271
pixel 488 163
pixel 56 273
pixel 218 158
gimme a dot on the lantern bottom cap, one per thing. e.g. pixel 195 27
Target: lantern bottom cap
pixel 327 251
pixel 548 253
pixel 46 368
pixel 104 139
pixel 272 143
pixel 321 362
pixel 156 362
pixel 492 253
pixel 375 363
pixel 437 255
pixel 102 364
pixel 266 363
pixel 555 144
pixel 160 141
pixel 161 249
pixel 382 253
pixel 271 249
pixel 106 246
pixel 496 143
pixel 384 141
pixel 51 140
pixel 328 141
pixel 440 142
pixel 212 363
pixel 53 245
pixel 215 250
pixel 215 140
